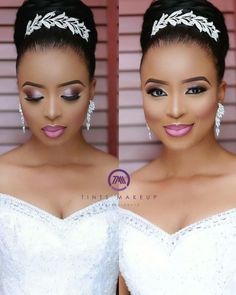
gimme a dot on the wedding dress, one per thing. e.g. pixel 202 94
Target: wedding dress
pixel 41 254
pixel 199 259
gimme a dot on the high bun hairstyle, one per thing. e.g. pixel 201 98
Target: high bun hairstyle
pixel 55 37
pixel 184 33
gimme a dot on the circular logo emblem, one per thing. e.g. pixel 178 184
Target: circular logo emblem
pixel 119 179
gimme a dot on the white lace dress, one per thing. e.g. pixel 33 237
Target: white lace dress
pixel 199 259
pixel 41 254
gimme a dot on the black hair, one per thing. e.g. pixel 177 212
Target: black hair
pixel 56 37
pixel 184 33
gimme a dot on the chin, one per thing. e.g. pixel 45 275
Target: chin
pixel 178 144
pixel 178 147
pixel 50 142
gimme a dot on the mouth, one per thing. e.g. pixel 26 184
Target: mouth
pixel 53 131
pixel 178 130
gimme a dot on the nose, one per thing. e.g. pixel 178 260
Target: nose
pixel 175 107
pixel 52 108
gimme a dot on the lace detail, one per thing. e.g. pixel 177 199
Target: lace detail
pixel 26 208
pixel 149 228
pixel 198 259
pixel 43 254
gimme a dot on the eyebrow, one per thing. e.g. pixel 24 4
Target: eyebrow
pixel 60 85
pixel 199 78
pixel 151 80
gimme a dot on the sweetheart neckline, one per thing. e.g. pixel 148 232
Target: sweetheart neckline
pixel 14 199
pixel 183 230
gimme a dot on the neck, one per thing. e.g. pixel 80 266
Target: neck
pixel 55 155
pixel 198 160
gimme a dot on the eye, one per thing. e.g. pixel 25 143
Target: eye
pixel 71 97
pixel 156 92
pixel 33 99
pixel 196 90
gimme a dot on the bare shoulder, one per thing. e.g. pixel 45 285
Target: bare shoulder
pixel 10 163
pixel 100 166
pixel 148 173
pixel 139 189
pixel 11 158
pixel 102 160
pixel 227 165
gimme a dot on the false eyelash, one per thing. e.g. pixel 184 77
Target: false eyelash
pixel 33 99
pixel 71 97
pixel 202 89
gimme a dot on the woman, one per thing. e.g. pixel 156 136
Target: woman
pixel 177 229
pixel 57 213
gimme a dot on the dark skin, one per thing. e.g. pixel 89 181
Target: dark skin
pixel 193 177
pixel 58 175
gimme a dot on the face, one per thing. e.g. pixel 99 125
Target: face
pixel 180 93
pixel 55 89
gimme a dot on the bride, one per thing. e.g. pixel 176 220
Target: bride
pixel 58 214
pixel 182 239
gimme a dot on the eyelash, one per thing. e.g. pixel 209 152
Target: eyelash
pixel 71 97
pixel 31 99
pixel 68 98
pixel 198 89
pixel 153 90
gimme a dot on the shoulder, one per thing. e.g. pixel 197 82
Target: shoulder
pixel 10 158
pixel 140 188
pixel 10 167
pixel 227 165
pixel 13 157
pixel 104 161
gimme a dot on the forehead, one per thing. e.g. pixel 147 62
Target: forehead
pixel 178 61
pixel 52 65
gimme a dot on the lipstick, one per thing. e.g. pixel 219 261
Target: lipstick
pixel 53 131
pixel 178 130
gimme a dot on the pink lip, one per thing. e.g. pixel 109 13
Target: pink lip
pixel 178 130
pixel 53 131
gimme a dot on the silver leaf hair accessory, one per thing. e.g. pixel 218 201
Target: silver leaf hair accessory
pixel 188 19
pixel 61 21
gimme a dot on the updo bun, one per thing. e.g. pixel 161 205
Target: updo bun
pixel 55 36
pixel 184 33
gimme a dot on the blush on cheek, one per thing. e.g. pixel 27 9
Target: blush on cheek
pixel 78 118
pixel 153 114
pixel 206 111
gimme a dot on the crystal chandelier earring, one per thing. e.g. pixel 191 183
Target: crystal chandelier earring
pixel 22 118
pixel 91 108
pixel 149 131
pixel 219 114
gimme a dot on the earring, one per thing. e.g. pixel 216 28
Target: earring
pixel 149 131
pixel 219 114
pixel 91 108
pixel 22 118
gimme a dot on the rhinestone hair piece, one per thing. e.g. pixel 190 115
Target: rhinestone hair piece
pixel 61 21
pixel 188 19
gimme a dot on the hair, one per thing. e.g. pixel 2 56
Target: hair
pixel 55 37
pixel 187 34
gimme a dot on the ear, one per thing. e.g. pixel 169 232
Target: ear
pixel 92 88
pixel 221 91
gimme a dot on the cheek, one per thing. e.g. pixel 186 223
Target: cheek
pixel 78 114
pixel 204 110
pixel 154 110
pixel 31 114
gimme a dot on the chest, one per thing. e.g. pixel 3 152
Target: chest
pixel 200 259
pixel 174 205
pixel 57 191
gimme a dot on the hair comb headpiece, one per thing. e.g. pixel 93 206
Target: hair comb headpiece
pixel 61 21
pixel 188 19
